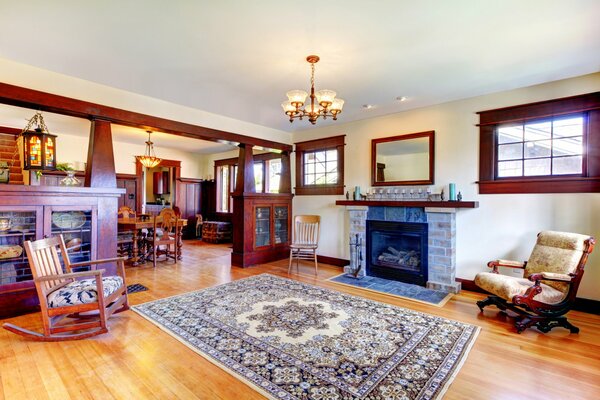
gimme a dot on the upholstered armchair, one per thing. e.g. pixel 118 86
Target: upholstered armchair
pixel 549 285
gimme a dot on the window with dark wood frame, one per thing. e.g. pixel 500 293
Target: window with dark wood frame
pixel 551 146
pixel 320 166
pixel 226 169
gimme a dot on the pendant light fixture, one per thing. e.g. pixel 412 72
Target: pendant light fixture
pixel 323 103
pixel 149 159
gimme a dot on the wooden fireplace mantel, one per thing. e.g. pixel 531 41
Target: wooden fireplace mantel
pixel 392 203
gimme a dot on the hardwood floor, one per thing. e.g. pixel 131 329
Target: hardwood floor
pixel 136 360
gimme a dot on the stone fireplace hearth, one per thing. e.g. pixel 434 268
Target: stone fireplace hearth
pixel 441 242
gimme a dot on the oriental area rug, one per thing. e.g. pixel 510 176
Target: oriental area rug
pixel 291 340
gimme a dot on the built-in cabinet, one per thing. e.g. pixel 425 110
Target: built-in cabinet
pixel 268 229
pixel 86 217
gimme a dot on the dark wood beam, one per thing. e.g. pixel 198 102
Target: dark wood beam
pixel 37 100
pixel 100 171
pixel 245 173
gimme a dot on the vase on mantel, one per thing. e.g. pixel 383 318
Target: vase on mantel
pixel 70 179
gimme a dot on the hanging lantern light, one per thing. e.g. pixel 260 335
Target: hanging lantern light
pixel 39 146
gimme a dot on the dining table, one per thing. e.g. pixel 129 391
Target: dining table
pixel 135 226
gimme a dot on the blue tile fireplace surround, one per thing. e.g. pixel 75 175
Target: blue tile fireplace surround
pixel 426 254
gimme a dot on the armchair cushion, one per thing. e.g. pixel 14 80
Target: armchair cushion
pixel 83 291
pixel 556 252
pixel 507 287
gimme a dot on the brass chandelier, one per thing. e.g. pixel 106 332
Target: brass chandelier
pixel 149 159
pixel 322 103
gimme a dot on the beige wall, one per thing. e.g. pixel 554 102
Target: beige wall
pixel 504 226
pixel 74 148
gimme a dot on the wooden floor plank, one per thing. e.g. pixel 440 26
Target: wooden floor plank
pixel 137 360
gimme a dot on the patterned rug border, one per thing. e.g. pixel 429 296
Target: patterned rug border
pixel 449 379
pixel 442 303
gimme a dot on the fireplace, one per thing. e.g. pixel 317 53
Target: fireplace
pixel 397 250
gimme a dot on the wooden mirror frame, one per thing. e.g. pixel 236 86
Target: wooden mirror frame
pixel 375 142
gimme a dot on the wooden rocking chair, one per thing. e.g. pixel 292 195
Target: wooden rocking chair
pixel 63 298
pixel 549 285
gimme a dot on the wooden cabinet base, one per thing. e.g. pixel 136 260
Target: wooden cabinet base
pixel 245 260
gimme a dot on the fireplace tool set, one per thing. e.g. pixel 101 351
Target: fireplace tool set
pixel 356 256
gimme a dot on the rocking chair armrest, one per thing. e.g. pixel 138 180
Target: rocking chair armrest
pixel 494 264
pixel 551 276
pixel 96 262
pixel 70 275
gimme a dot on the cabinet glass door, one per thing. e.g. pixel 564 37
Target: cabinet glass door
pixel 76 228
pixel 281 224
pixel 262 227
pixel 15 228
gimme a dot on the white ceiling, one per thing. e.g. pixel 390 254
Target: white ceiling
pixel 238 58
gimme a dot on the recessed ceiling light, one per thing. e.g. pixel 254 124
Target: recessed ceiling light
pixel 367 106
pixel 401 98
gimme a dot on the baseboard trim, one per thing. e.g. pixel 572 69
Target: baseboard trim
pixel 581 304
pixel 338 262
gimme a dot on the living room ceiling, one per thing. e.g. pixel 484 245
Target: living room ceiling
pixel 238 58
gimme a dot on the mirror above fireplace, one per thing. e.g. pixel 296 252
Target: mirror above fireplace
pixel 403 160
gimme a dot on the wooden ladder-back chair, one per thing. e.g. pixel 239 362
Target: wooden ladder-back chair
pixel 63 298
pixel 125 238
pixel 549 285
pixel 165 233
pixel 305 240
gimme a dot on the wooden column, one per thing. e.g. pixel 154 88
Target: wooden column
pixel 285 179
pixel 245 173
pixel 100 171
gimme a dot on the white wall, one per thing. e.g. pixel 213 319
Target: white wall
pixel 504 226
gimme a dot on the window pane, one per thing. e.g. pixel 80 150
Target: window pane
pixel 309 179
pixel 570 146
pixel 320 156
pixel 510 151
pixel 538 149
pixel 258 177
pixel 331 155
pixel 567 165
pixel 540 166
pixel 319 179
pixel 320 168
pixel 309 157
pixel 568 127
pixel 332 178
pixel 309 168
pixel 538 130
pixel 510 134
pixel 274 168
pixel 510 168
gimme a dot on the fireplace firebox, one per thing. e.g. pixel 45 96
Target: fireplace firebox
pixel 397 250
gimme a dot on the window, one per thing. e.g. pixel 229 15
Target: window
pixel 541 148
pixel 320 166
pixel 267 170
pixel 546 147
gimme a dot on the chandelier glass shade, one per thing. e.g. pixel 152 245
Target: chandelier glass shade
pixel 322 103
pixel 149 159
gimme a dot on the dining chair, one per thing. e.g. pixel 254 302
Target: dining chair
pixel 305 239
pixel 72 308
pixel 165 233
pixel 125 238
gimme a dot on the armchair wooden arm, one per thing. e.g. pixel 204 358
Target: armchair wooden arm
pixel 505 263
pixel 119 260
pixel 551 276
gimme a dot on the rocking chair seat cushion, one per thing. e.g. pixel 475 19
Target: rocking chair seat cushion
pixel 507 287
pixel 83 291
